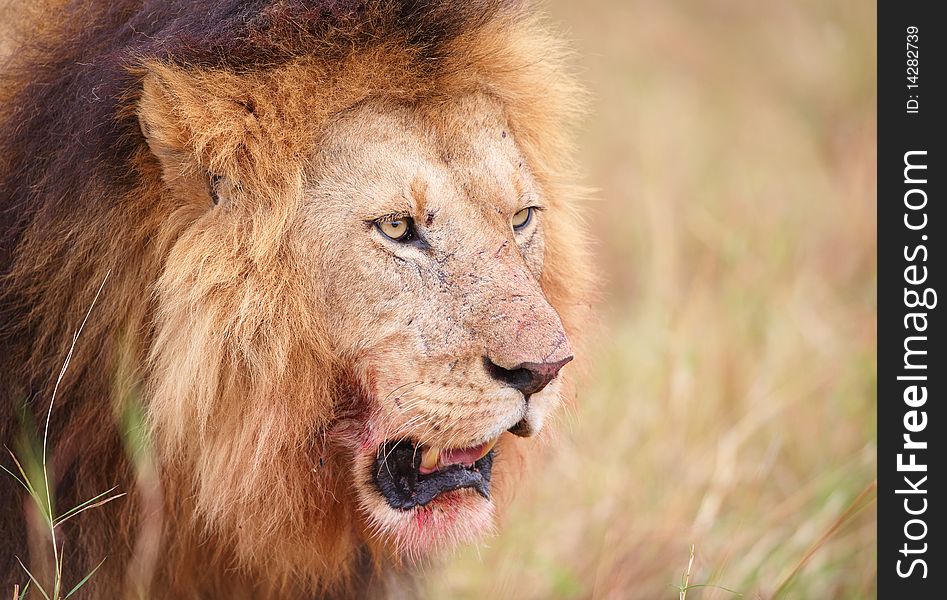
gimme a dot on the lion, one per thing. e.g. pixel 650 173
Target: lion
pixel 332 251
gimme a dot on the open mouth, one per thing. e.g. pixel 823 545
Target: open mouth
pixel 409 476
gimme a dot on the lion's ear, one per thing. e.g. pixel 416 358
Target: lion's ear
pixel 169 141
pixel 184 120
pixel 218 135
pixel 165 134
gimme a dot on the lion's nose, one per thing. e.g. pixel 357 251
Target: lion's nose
pixel 527 377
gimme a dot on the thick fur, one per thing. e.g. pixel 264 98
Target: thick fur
pixel 266 337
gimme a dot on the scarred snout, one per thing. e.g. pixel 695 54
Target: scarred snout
pixel 525 346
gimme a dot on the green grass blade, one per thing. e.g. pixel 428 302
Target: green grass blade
pixel 716 587
pixel 84 580
pixel 57 590
pixel 90 503
pixel 37 498
pixel 26 479
pixel 33 579
pixel 22 595
pixel 17 477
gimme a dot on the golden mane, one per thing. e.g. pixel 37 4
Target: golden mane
pixel 187 325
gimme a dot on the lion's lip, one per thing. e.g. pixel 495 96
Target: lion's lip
pixel 398 475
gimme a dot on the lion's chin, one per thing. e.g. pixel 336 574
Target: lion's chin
pixel 451 519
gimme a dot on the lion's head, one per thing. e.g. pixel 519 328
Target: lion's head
pixel 366 277
pixel 433 230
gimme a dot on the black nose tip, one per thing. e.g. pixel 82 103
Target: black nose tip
pixel 528 377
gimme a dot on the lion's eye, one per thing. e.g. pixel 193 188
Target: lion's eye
pixel 399 230
pixel 522 218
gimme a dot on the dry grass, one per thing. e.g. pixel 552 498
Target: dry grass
pixel 731 402
pixel 33 474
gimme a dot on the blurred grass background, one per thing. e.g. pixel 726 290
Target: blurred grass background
pixel 731 401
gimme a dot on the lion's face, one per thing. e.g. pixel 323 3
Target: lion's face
pixel 426 228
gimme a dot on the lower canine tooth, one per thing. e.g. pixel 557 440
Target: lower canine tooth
pixel 429 458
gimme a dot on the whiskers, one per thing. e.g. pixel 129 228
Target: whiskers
pixel 391 428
